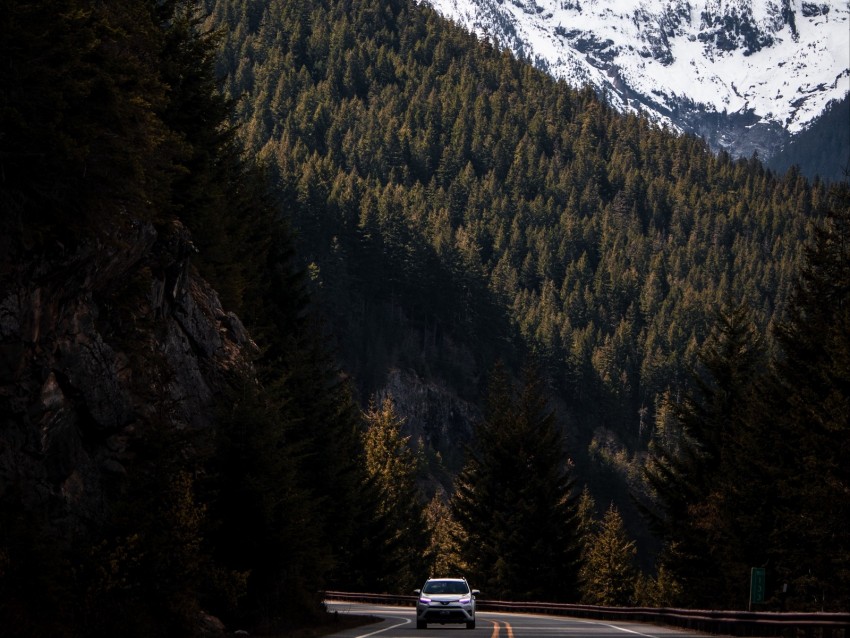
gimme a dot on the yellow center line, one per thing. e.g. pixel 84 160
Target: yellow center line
pixel 508 627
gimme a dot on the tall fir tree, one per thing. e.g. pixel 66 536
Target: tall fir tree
pixel 514 499
pixel 809 407
pixel 259 511
pixel 586 521
pixel 608 572
pixel 702 506
pixel 444 550
pixel 391 464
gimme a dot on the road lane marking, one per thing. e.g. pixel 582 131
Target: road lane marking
pixel 380 631
pixel 630 631
pixel 602 624
pixel 508 628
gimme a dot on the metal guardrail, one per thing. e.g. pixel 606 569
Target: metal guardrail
pixel 729 623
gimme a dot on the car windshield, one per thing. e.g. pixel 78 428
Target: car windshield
pixel 445 587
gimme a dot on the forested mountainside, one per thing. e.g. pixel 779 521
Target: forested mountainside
pixel 181 452
pixel 456 207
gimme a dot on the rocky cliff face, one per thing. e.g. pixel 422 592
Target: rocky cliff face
pixel 97 343
pixel 437 420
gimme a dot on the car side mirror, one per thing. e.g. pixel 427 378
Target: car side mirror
pixel 417 591
pixel 476 592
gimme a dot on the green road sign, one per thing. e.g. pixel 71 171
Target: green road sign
pixel 757 585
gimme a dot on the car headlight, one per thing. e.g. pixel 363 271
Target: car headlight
pixel 465 601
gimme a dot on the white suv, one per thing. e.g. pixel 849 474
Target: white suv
pixel 445 600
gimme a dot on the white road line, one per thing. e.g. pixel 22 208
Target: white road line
pixel 380 631
pixel 629 631
pixel 595 623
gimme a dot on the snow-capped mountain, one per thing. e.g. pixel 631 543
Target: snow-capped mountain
pixel 744 74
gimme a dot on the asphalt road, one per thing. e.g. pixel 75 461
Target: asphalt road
pixel 399 622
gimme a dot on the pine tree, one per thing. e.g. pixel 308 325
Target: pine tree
pixel 260 512
pixel 706 511
pixel 514 498
pixel 298 365
pixel 608 573
pixel 809 407
pixel 586 520
pixel 391 464
pixel 444 551
pixel 81 110
pixel 478 492
pixel 658 590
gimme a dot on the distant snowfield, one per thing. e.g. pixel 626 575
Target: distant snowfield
pixel 656 50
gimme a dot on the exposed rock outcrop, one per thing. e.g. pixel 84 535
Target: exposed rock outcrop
pixel 96 343
pixel 435 417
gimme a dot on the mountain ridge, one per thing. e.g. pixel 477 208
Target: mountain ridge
pixel 747 75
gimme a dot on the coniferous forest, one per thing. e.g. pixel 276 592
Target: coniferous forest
pixel 657 337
